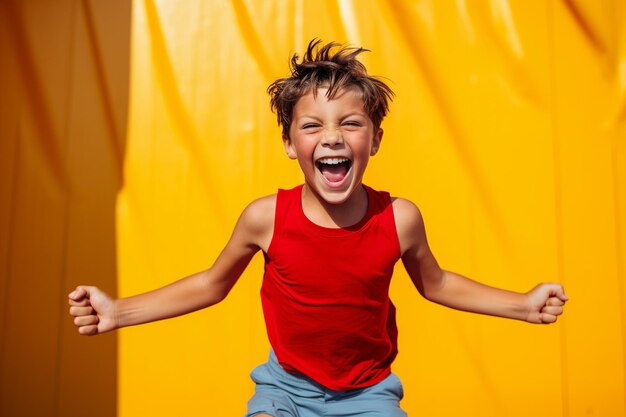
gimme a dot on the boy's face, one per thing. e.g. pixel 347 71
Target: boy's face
pixel 332 141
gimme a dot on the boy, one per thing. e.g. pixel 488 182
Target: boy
pixel 330 246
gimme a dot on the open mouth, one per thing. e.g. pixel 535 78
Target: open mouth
pixel 334 170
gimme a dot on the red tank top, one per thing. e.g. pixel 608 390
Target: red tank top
pixel 325 294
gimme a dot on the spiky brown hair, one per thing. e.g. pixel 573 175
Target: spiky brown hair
pixel 336 70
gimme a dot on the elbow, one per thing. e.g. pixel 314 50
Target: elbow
pixel 214 291
pixel 432 287
pixel 217 298
pixel 430 296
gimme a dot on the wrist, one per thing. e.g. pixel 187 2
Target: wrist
pixel 519 306
pixel 116 315
pixel 121 316
pixel 527 309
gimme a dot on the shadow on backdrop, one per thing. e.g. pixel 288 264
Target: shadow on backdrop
pixel 63 108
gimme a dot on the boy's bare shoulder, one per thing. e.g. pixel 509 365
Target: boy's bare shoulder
pixel 260 212
pixel 405 211
pixel 409 223
pixel 257 220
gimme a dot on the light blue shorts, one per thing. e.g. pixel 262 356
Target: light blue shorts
pixel 281 394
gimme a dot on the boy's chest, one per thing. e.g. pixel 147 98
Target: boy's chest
pixel 333 268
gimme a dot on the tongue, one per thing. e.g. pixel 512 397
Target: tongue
pixel 334 173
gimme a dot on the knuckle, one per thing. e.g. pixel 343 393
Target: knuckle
pixel 81 311
pixel 87 330
pixel 85 320
pixel 554 301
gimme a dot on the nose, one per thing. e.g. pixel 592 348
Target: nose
pixel 332 137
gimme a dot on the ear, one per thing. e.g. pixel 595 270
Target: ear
pixel 378 137
pixel 289 148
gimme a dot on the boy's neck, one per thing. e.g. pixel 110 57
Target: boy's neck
pixel 325 214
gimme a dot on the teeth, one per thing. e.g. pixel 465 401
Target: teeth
pixel 332 161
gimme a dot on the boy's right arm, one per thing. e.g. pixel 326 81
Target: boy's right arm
pixel 94 312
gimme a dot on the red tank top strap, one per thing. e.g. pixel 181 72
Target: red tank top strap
pixel 286 202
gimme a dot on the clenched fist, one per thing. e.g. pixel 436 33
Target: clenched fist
pixel 93 311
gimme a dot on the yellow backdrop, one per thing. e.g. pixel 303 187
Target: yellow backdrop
pixel 508 131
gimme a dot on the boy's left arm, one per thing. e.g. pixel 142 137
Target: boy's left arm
pixel 542 304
